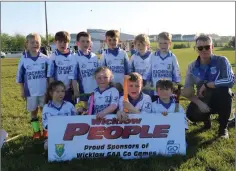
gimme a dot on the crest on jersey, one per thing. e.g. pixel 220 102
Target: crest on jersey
pixel 155 66
pixel 109 63
pixel 43 65
pixel 213 70
pixel 108 99
pixel 83 66
pixel 169 66
pixel 122 61
pixel 136 64
pixel 59 63
pixel 148 105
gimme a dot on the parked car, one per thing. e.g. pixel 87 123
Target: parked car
pixel 3 55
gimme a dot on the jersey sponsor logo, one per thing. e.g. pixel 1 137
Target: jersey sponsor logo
pixel 116 69
pixel 99 108
pixel 64 70
pixel 161 74
pixel 35 75
pixel 88 72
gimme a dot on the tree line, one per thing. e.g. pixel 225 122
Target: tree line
pixel 11 43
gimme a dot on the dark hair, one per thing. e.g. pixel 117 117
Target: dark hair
pixel 113 33
pixel 44 50
pixel 165 84
pixel 62 36
pixel 82 34
pixel 134 76
pixel 51 88
pixel 204 38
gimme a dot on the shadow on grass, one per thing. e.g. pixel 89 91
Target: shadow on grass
pixel 28 155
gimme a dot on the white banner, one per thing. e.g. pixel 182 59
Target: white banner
pixel 142 135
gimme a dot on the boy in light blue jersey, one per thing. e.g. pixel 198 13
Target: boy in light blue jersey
pixel 115 58
pixel 163 63
pixel 60 63
pixel 32 77
pixel 84 65
pixel 140 61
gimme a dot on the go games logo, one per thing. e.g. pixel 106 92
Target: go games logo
pixel 172 148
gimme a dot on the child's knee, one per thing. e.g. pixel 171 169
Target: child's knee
pixel 188 92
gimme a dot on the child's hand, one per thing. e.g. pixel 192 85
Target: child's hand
pixel 164 113
pixel 122 116
pixel 100 115
pixel 127 105
pixel 82 111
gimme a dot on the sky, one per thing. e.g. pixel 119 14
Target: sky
pixel 129 17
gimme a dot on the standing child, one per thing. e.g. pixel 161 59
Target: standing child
pixel 115 58
pixel 84 65
pixel 138 102
pixel 163 63
pixel 140 61
pixel 165 102
pixel 32 77
pixel 60 63
pixel 55 105
pixel 105 98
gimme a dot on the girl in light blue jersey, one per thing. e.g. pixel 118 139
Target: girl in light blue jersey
pixel 55 105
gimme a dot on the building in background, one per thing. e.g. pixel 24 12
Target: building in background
pixel 177 37
pixel 98 40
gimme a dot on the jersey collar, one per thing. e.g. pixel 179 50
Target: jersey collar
pixel 34 58
pixel 98 90
pixel 158 53
pixel 57 52
pixel 166 105
pixel 114 52
pixel 145 56
pixel 80 53
pixel 135 102
pixel 51 104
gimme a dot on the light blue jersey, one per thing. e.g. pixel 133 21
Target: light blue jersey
pixel 32 72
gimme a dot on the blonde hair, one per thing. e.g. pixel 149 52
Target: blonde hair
pixel 165 36
pixel 103 68
pixel 142 38
pixel 32 36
